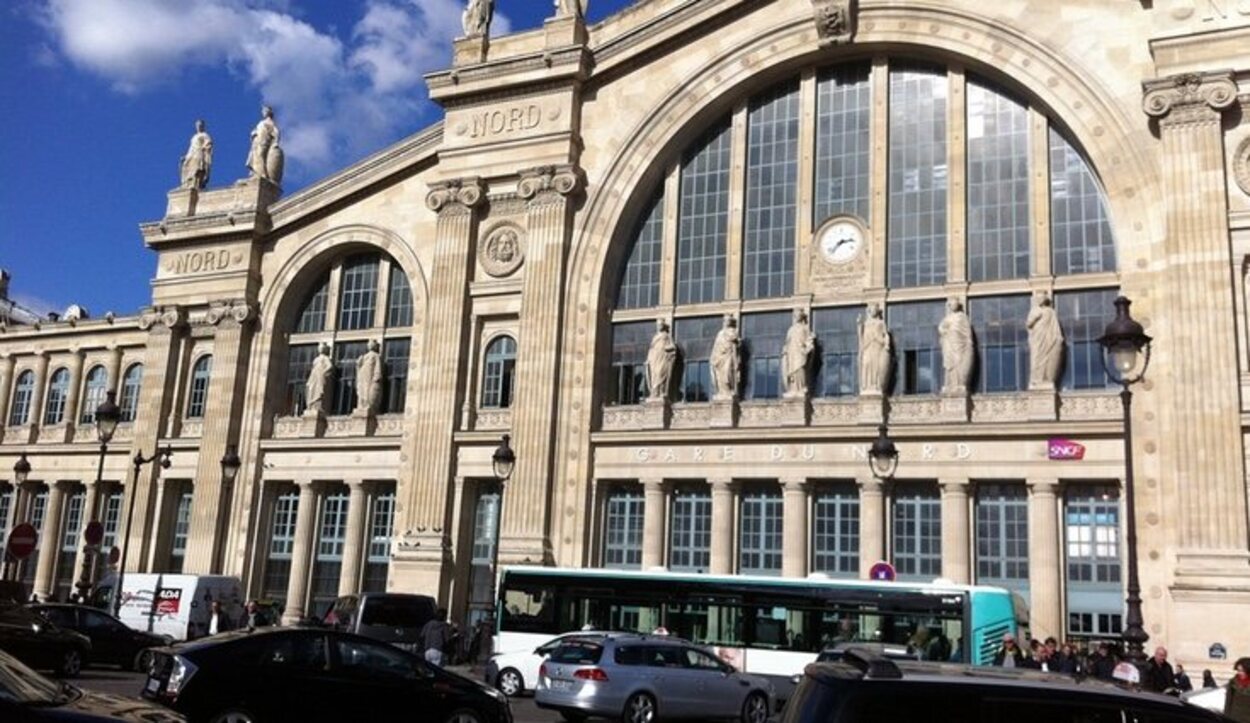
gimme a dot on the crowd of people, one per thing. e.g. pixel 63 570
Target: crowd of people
pixel 1157 675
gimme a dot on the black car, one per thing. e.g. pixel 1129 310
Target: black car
pixel 28 696
pixel 41 644
pixel 310 674
pixel 866 687
pixel 112 641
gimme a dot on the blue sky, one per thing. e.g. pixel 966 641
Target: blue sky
pixel 100 99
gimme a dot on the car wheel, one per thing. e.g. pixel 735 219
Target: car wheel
pixel 464 715
pixel 755 708
pixel 510 682
pixel 143 661
pixel 71 663
pixel 234 715
pixel 640 708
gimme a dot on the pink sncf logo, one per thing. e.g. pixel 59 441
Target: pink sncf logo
pixel 1058 448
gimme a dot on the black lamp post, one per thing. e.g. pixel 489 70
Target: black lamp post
pixel 1126 354
pixel 139 460
pixel 107 415
pixel 883 461
pixel 21 472
pixel 230 464
pixel 503 462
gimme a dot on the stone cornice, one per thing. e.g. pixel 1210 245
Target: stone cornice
pixel 1189 97
pixel 457 195
pixel 568 64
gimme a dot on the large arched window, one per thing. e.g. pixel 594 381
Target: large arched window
pixel 132 383
pixel 373 303
pixel 23 390
pixel 498 375
pixel 58 390
pixel 950 178
pixel 197 395
pixel 94 391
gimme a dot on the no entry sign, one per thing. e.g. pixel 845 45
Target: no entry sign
pixel 883 571
pixel 22 541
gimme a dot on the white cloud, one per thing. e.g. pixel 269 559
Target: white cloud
pixel 335 98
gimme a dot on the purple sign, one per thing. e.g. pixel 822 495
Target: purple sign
pixel 1058 448
pixel 883 571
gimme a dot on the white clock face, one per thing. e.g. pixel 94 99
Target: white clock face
pixel 841 242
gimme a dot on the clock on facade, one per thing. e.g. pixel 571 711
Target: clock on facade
pixel 841 240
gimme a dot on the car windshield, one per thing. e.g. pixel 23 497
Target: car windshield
pixel 23 685
pixel 393 613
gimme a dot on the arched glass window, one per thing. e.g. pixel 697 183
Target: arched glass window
pixel 359 295
pixel 198 393
pixel 94 392
pixel 640 285
pixel 58 390
pixel 497 379
pixel 132 382
pixel 23 390
pixel 399 299
pixel 1080 228
pixel 312 314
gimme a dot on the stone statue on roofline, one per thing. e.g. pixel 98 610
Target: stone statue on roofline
pixel 874 351
pixel 265 158
pixel 1045 343
pixel 955 336
pixel 320 378
pixel 195 166
pixel 725 361
pixel 576 8
pixel 369 380
pixel 476 18
pixel 661 358
pixel 796 354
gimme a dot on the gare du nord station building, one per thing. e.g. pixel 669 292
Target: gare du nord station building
pixel 691 161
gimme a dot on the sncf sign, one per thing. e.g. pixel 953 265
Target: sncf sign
pixel 1058 448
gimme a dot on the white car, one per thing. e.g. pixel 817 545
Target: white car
pixel 516 672
pixel 1209 698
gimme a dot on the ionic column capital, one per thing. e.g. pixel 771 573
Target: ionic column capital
pixel 560 181
pixel 457 195
pixel 1189 97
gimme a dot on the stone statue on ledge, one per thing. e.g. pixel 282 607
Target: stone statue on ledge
pixel 265 159
pixel 795 355
pixel 195 166
pixel 724 361
pixel 576 8
pixel 1045 343
pixel 874 351
pixel 369 380
pixel 661 358
pixel 955 335
pixel 319 380
pixel 476 18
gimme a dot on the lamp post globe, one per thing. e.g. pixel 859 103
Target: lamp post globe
pixel 230 464
pixel 107 415
pixel 21 470
pixel 503 461
pixel 1125 344
pixel 883 455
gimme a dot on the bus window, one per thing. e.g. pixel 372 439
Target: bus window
pixel 706 624
pixel 780 628
pixel 529 609
pixel 927 636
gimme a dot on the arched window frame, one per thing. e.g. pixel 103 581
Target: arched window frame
pixel 197 386
pixel 56 397
pixel 131 387
pixel 95 390
pixel 499 371
pixel 23 391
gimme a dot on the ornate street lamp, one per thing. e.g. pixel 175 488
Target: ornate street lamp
pixel 230 464
pixel 139 460
pixel 883 455
pixel 107 415
pixel 503 462
pixel 21 470
pixel 1126 354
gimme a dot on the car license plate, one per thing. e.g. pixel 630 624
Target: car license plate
pixel 561 685
pixel 154 684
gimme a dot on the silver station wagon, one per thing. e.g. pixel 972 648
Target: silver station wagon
pixel 644 678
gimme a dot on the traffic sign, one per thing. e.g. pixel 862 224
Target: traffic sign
pixel 22 541
pixel 883 571
pixel 94 534
pixel 115 555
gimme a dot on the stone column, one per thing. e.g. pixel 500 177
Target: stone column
pixel 301 553
pixel 956 534
pixel 74 393
pixel 1046 607
pixel 871 523
pixel 722 552
pixel 354 544
pixel 114 370
pixel 549 193
pixel 210 504
pixel 50 540
pixel 654 514
pixel 423 498
pixel 90 512
pixel 1205 437
pixel 794 553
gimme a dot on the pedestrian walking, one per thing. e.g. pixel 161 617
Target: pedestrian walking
pixel 435 636
pixel 254 618
pixel 1159 676
pixel 1237 697
pixel 1182 682
pixel 1102 663
pixel 1208 680
pixel 1009 654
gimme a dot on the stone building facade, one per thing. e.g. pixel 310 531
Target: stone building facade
pixel 688 160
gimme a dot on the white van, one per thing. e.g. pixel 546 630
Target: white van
pixel 174 605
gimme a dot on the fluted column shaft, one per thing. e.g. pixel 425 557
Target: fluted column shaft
pixel 956 563
pixel 722 552
pixel 871 524
pixel 49 540
pixel 301 553
pixel 6 383
pixel 113 367
pixel 354 544
pixel 70 417
pixel 35 415
pixel 1044 563
pixel 654 495
pixel 794 553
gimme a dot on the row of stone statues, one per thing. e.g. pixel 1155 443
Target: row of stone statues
pixel 321 378
pixel 264 158
pixel 479 13
pixel 875 350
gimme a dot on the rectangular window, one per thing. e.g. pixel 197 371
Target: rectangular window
pixel 359 296
pixel 110 516
pixel 760 532
pixel 1002 536
pixel 1080 231
pixel 1002 342
pixel 298 365
pixel 917 532
pixel 395 375
pixel 690 530
pixel 917 353
pixel 328 562
pixel 837 350
pixel 694 338
pixel 916 253
pixel 771 194
pixel 622 538
pixel 19 408
pixel 345 356
pixel 630 342
pixel 1092 544
pixel 399 298
pixel 1083 316
pixel 378 556
pixel 640 286
pixel 482 563
pixel 843 137
pixel 281 544
pixel 198 396
pixel 6 509
pixel 998 185
pixel 763 336
pixel 835 531
pixel 38 508
pixel 704 218
pixel 182 528
pixel 69 544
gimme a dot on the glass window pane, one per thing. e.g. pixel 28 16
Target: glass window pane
pixel 281 544
pixel 998 185
pixel 378 555
pixel 198 395
pixel 1083 316
pixel 358 297
pixel 1080 227
pixel 54 405
pixel 771 194
pixel 835 530
pixel 1002 535
pixel 916 254
pixel 312 315
pixel 917 531
pixel 690 529
pixel 19 408
pixel 94 394
pixel 917 355
pixel 843 123
pixel 132 381
pixel 763 337
pixel 395 375
pixel 345 356
pixel 694 338
pixel 640 284
pixel 1092 546
pixel 759 533
pixel 837 351
pixel 1002 342
pixel 622 529
pixel 298 366
pixel 399 298
pixel 704 218
pixel 499 374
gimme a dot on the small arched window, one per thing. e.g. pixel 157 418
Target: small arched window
pixel 19 412
pixel 132 382
pixel 500 368
pixel 58 390
pixel 198 393
pixel 94 392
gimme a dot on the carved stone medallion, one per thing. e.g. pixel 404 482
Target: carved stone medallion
pixel 503 251
pixel 1241 165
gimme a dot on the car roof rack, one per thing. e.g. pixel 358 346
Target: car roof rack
pixel 872 664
